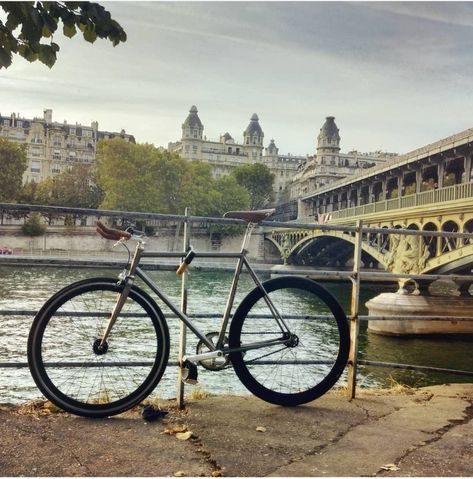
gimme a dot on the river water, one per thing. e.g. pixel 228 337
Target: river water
pixel 27 288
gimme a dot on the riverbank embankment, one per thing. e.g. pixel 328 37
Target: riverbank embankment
pixel 403 432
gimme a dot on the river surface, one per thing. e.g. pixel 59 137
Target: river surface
pixel 27 288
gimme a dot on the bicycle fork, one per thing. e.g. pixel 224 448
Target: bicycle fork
pixel 128 279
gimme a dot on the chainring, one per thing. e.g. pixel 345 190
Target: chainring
pixel 214 364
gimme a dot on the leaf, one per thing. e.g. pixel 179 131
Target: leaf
pixel 47 55
pixel 5 58
pixel 184 436
pixel 46 32
pixel 179 474
pixel 261 429
pixel 69 30
pixel 90 35
pixel 175 429
pixel 390 467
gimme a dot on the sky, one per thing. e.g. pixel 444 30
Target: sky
pixel 396 76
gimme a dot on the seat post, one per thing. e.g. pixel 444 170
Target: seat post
pixel 246 239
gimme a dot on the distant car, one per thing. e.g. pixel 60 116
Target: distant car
pixel 5 250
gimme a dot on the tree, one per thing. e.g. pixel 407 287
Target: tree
pixel 33 226
pixel 137 177
pixel 27 23
pixel 75 188
pixel 232 195
pixel 129 175
pixel 258 181
pixel 13 164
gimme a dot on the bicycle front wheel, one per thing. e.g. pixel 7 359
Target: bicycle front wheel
pixel 76 375
pixel 300 370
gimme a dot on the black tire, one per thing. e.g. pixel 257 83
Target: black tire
pixel 297 374
pixel 92 384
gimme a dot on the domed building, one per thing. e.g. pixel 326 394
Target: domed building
pixel 329 165
pixel 226 154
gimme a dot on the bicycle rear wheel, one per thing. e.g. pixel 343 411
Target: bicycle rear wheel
pixel 66 363
pixel 306 367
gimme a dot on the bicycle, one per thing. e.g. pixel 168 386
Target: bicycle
pixel 100 346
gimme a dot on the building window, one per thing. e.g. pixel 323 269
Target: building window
pixel 230 150
pixel 72 131
pixel 195 133
pixel 6 122
pixel 35 166
pixel 19 124
pixel 238 151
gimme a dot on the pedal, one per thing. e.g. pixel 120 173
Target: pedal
pixel 189 373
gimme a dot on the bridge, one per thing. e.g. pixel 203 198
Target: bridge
pixel 429 189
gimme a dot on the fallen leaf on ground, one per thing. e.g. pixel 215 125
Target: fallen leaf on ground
pixel 261 429
pixel 179 474
pixel 175 429
pixel 184 436
pixel 390 467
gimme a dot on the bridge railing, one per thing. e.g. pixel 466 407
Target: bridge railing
pixel 355 276
pixel 441 195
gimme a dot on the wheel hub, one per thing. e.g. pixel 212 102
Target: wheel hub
pixel 293 341
pixel 100 350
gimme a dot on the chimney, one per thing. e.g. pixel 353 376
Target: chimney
pixel 48 115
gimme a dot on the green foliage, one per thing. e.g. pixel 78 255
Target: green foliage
pixel 13 164
pixel 258 181
pixel 27 23
pixel 75 188
pixel 139 177
pixel 33 226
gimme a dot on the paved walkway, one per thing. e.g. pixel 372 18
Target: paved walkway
pixel 426 432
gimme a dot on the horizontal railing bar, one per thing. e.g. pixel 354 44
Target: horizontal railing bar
pixel 414 367
pixel 136 364
pixel 414 318
pixel 86 314
pixel 14 312
pixel 158 254
pixel 20 365
pixel 205 219
pixel 316 274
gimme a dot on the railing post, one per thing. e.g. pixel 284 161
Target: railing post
pixel 354 320
pixel 182 326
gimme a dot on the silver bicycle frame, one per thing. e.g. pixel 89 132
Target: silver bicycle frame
pixel 217 349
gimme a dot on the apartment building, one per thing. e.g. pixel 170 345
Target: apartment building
pixel 52 147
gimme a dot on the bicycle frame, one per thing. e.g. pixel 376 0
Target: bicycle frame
pixel 218 349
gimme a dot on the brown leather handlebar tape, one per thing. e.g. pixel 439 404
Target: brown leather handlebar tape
pixel 110 233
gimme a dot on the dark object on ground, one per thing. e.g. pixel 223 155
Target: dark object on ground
pixel 152 413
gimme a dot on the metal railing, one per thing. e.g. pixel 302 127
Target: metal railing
pixel 356 276
pixel 441 195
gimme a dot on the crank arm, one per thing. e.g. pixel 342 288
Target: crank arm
pixel 201 357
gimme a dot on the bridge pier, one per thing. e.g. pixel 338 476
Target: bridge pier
pixel 405 305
